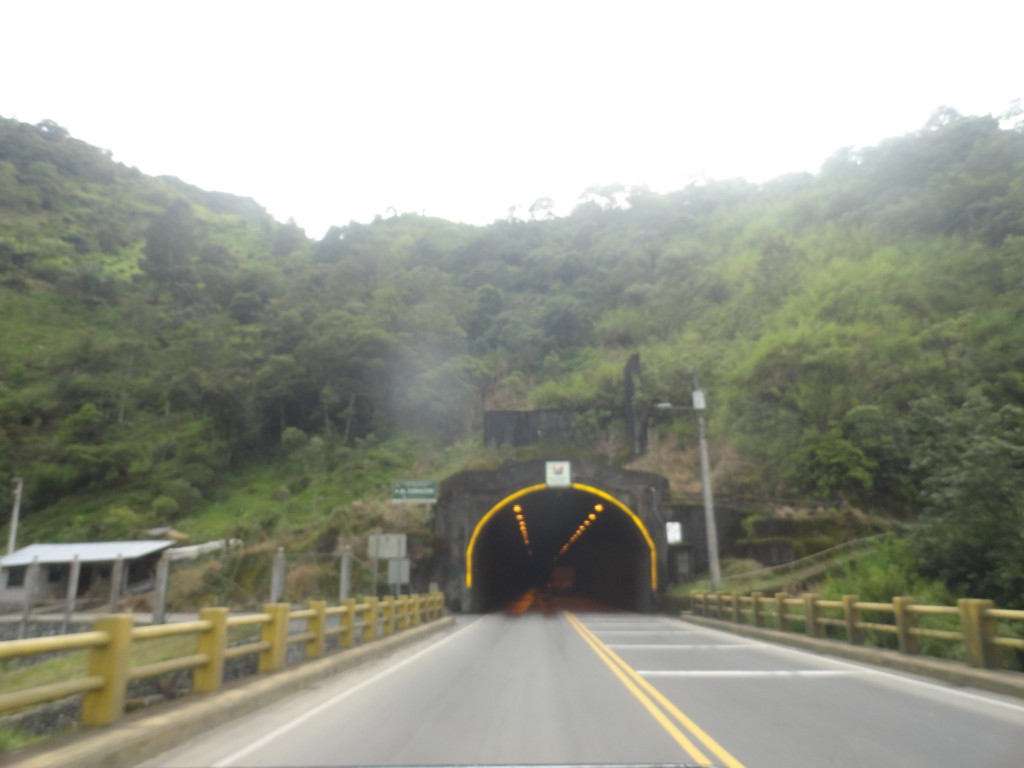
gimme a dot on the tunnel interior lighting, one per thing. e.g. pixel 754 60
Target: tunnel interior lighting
pixel 583 527
pixel 523 531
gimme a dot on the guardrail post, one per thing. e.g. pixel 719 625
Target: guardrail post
pixel 209 678
pixel 438 610
pixel 348 623
pixel 401 613
pixel 756 607
pixel 388 615
pixel 780 610
pixel 811 626
pixel 316 625
pixel 370 630
pixel 111 662
pixel 905 620
pixel 978 631
pixel 737 614
pixel 276 633
pixel 415 603
pixel 851 616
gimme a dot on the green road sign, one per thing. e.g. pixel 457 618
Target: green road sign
pixel 414 492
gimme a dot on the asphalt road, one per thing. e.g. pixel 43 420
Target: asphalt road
pixel 617 688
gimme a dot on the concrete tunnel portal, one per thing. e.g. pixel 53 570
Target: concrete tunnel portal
pixel 595 541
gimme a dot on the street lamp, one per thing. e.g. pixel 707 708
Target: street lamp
pixel 699 406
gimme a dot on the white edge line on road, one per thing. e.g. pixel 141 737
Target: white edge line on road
pixel 642 631
pixel 903 678
pixel 667 647
pixel 226 761
pixel 750 673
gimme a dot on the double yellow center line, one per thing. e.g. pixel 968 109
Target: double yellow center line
pixel 660 708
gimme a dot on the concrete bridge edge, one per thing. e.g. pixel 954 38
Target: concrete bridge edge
pixel 153 731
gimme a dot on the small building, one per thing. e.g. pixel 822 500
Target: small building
pixel 96 566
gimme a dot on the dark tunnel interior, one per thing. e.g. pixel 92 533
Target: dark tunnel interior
pixel 565 543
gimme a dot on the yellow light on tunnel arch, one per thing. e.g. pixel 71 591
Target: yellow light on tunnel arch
pixel 579 487
pixel 487 517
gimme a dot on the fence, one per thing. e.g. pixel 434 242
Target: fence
pixel 803 565
pixel 974 624
pixel 109 668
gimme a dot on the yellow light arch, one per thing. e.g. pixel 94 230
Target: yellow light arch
pixel 542 487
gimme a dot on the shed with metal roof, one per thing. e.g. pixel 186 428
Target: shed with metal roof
pixel 49 571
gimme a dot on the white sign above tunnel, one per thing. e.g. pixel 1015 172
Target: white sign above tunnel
pixel 558 474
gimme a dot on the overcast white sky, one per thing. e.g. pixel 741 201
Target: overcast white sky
pixel 335 111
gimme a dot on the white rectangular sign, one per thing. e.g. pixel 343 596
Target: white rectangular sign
pixel 558 474
pixel 674 532
pixel 387 546
pixel 398 571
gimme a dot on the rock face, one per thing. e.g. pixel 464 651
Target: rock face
pixel 521 428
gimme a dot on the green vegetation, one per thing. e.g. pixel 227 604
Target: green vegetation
pixel 16 738
pixel 175 356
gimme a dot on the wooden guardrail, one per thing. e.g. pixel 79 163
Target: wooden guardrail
pixel 109 668
pixel 973 623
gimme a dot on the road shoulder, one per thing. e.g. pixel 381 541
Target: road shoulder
pixel 1002 682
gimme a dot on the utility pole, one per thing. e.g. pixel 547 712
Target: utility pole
pixel 12 539
pixel 699 406
pixel 705 481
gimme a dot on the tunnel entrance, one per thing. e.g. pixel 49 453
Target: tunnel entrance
pixel 577 542
pixel 488 552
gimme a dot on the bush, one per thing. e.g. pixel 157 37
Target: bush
pixel 165 508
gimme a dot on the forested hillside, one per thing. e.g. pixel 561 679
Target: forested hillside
pixel 172 355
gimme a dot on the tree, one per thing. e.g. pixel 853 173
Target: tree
pixel 170 243
pixel 566 322
pixel 830 466
pixel 288 238
pixel 881 440
pixel 542 207
pixel 278 383
pixel 970 461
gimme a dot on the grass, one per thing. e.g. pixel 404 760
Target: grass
pixel 15 676
pixel 290 501
pixel 74 664
pixel 12 738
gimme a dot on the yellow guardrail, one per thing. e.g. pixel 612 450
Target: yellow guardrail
pixel 109 668
pixel 973 623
